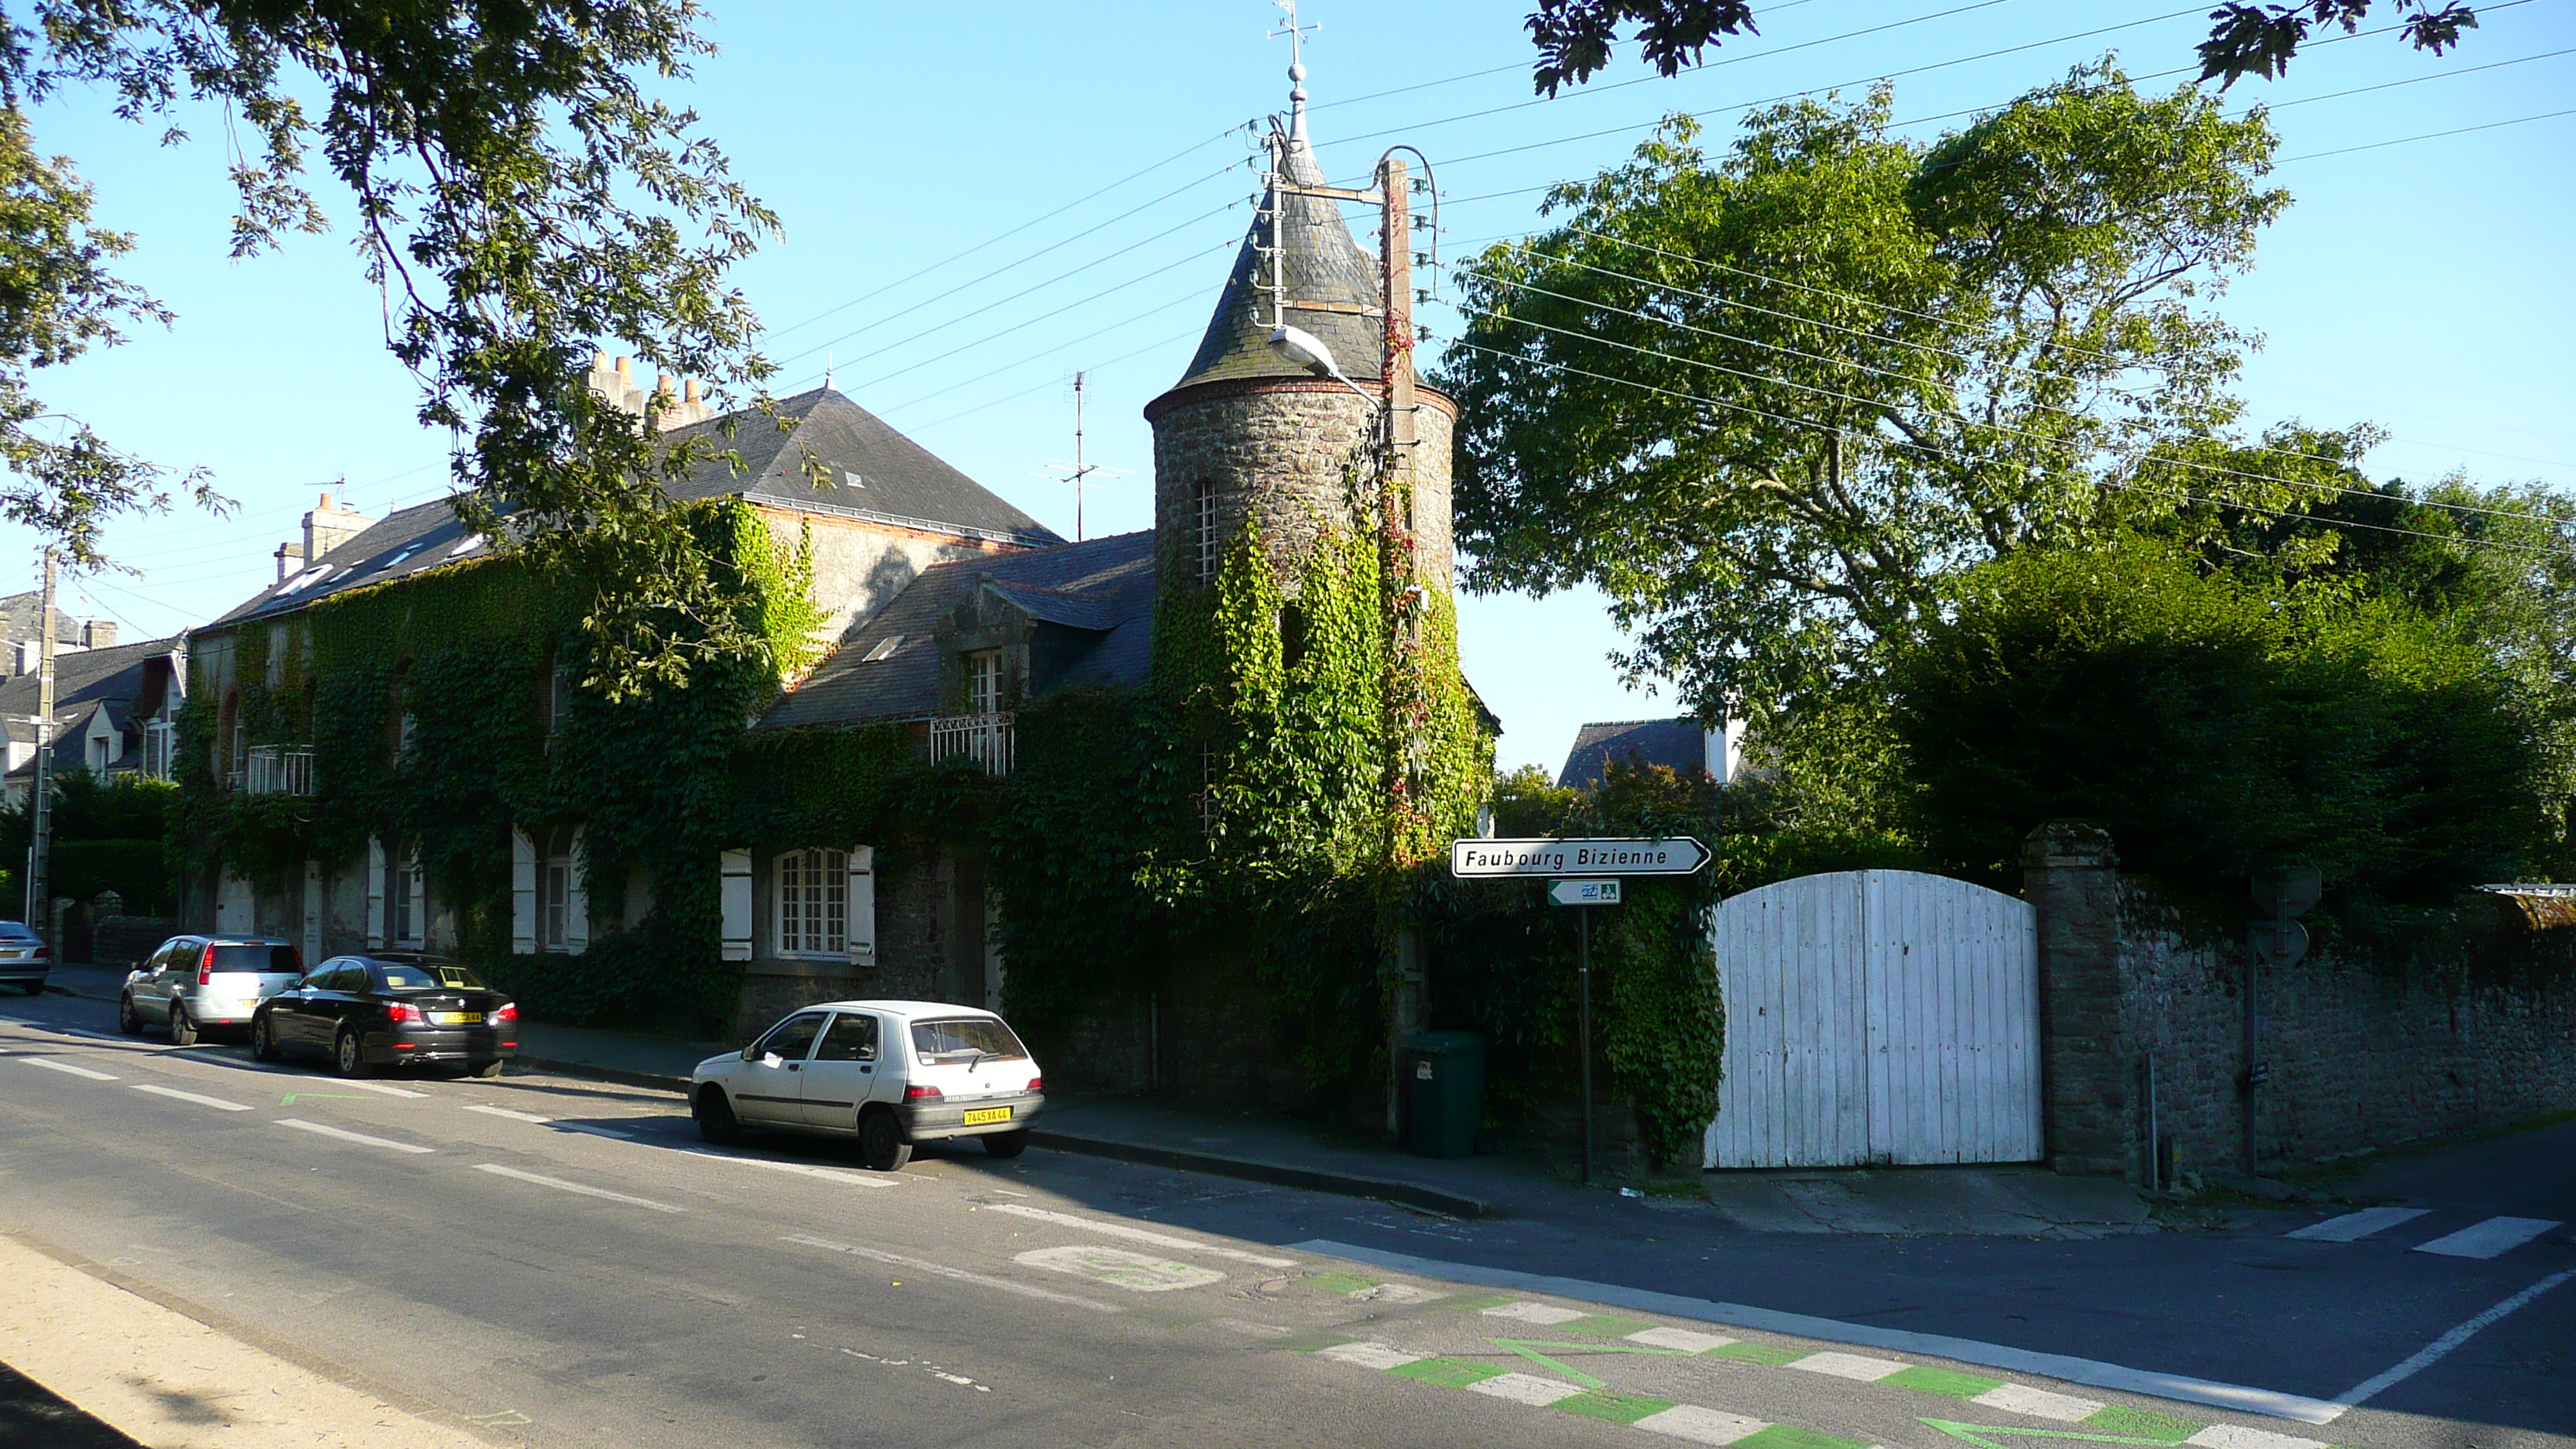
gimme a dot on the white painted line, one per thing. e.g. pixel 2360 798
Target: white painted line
pixel 2352 1227
pixel 104 1036
pixel 1849 1366
pixel 2233 1436
pixel 1369 1355
pixel 595 1131
pixel 1680 1338
pixel 1119 1268
pixel 366 1086
pixel 1528 1312
pixel 2424 1358
pixel 801 1169
pixel 506 1112
pixel 1928 1345
pixel 190 1097
pixel 1135 1235
pixel 52 1065
pixel 1524 1389
pixel 358 1137
pixel 2038 1403
pixel 559 1185
pixel 1702 1426
pixel 942 1270
pixel 2490 1239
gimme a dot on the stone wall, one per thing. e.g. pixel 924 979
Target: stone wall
pixel 2476 1029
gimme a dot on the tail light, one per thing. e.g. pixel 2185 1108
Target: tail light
pixel 44 953
pixel 404 1013
pixel 206 967
pixel 918 1093
pixel 1037 1084
pixel 508 1012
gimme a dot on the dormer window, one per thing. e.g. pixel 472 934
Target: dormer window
pixel 984 681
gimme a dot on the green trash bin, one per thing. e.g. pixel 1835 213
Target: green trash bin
pixel 1444 1092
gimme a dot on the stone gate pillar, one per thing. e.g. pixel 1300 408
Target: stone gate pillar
pixel 2071 878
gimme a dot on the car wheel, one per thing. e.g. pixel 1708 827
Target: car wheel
pixel 1008 1144
pixel 183 1027
pixel 491 1068
pixel 348 1054
pixel 716 1121
pixel 263 1038
pixel 128 1020
pixel 881 1144
pixel 35 988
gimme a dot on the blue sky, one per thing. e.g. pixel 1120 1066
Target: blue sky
pixel 2424 285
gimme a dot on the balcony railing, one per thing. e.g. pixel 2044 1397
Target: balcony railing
pixel 982 738
pixel 279 770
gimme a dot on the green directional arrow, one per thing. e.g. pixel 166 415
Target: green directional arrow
pixel 1528 1348
pixel 289 1099
pixel 1976 1434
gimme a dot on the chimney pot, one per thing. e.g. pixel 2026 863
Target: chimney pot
pixel 692 393
pixel 663 386
pixel 625 371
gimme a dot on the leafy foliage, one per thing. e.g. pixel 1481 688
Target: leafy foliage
pixel 109 834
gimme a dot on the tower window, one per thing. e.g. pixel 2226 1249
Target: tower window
pixel 1203 531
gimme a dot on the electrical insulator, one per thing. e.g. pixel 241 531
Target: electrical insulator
pixel 1422 296
pixel 1421 222
pixel 1422 330
pixel 1422 259
pixel 1421 184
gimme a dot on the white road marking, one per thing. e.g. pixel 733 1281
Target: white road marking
pixel 801 1169
pixel 1119 1268
pixel 559 1185
pixel 1849 1366
pixel 506 1112
pixel 358 1137
pixel 2490 1239
pixel 2424 1358
pixel 2352 1227
pixel 2038 1403
pixel 1702 1426
pixel 51 1065
pixel 190 1097
pixel 1534 1313
pixel 2232 1436
pixel 595 1131
pixel 1929 1345
pixel 1369 1355
pixel 367 1086
pixel 1679 1338
pixel 920 1265
pixel 1136 1235
pixel 1524 1389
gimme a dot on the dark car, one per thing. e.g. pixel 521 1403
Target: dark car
pixel 395 1008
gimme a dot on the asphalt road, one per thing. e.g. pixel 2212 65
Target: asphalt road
pixel 560 1263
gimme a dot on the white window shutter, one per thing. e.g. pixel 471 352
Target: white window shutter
pixel 577 894
pixel 734 894
pixel 375 893
pixel 861 929
pixel 523 892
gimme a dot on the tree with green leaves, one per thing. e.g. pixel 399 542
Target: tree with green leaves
pixel 1575 37
pixel 1767 399
pixel 519 198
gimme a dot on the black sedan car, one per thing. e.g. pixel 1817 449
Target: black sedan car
pixel 390 1009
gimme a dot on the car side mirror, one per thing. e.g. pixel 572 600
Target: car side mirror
pixel 751 1053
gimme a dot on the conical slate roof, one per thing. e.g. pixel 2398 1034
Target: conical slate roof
pixel 1323 264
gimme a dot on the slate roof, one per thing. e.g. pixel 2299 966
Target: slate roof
pixel 1323 264
pixel 877 474
pixel 1677 743
pixel 84 677
pixel 1103 586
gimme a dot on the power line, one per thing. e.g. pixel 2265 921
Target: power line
pixel 1518 65
pixel 2430 136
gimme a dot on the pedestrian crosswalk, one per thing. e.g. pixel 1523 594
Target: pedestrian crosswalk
pixel 2491 1238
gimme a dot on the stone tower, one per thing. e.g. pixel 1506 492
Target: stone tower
pixel 1247 434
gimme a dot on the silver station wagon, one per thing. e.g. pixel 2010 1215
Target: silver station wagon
pixel 892 1074
pixel 195 982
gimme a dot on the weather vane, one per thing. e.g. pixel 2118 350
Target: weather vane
pixel 1296 34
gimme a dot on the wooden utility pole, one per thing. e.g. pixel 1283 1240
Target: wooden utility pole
pixel 1396 357
pixel 40 839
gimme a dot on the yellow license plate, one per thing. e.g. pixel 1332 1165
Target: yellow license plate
pixel 982 1115
pixel 457 1018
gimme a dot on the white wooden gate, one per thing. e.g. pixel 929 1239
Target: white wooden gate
pixel 1877 1016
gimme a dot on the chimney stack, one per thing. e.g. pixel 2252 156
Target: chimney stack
pixel 329 526
pixel 98 634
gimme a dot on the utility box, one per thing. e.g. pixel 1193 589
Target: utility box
pixel 1443 1073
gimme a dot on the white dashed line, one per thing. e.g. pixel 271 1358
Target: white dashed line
pixel 801 1169
pixel 52 1065
pixel 2038 1403
pixel 1136 1235
pixel 1528 1312
pixel 1702 1426
pixel 559 1185
pixel 1369 1355
pixel 2490 1239
pixel 506 1112
pixel 1524 1389
pixel 358 1137
pixel 367 1086
pixel 595 1131
pixel 1679 1338
pixel 216 1102
pixel 2352 1227
pixel 1849 1366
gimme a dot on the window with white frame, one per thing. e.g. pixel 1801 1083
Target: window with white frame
pixel 554 892
pixel 410 897
pixel 813 899
pixel 1202 559
pixel 984 682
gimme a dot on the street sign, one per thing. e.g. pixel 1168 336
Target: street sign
pixel 1583 892
pixel 1502 858
pixel 2277 942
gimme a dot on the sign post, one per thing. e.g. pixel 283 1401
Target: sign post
pixel 1606 861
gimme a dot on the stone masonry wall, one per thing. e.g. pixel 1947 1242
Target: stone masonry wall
pixel 2478 1031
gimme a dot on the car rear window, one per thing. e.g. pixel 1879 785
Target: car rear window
pixel 430 978
pixel 258 958
pixel 17 931
pixel 965 1037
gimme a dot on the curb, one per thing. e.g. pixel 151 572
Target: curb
pixel 648 1080
pixel 1279 1174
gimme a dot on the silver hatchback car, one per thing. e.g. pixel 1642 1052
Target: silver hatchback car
pixel 195 982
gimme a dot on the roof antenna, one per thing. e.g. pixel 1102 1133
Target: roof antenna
pixel 827 369
pixel 1080 469
pixel 1296 34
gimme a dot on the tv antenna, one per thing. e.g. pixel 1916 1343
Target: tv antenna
pixel 1080 470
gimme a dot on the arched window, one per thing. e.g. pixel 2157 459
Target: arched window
pixel 1202 559
pixel 813 900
